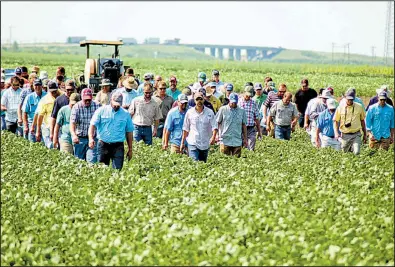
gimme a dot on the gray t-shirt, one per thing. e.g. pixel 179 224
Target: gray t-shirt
pixel 282 115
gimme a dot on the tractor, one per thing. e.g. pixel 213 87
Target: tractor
pixel 102 68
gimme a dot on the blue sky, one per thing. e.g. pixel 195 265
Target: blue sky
pixel 293 25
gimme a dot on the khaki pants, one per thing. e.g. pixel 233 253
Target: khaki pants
pixel 66 147
pixel 175 149
pixel 230 150
pixel 271 132
pixel 383 143
pixel 351 142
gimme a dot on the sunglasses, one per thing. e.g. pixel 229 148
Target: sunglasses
pixel 147 93
pixel 199 99
pixel 282 92
pixel 15 84
pixel 382 99
pixel 163 88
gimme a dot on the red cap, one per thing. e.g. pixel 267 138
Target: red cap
pixel 87 94
pixel 173 79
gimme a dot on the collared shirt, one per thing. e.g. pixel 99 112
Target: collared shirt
pixel 81 116
pixel 217 85
pixel 11 99
pixel 200 127
pixel 272 97
pixel 231 121
pixel 316 107
pixel 25 92
pixel 45 107
pixel 60 102
pixel 350 114
pixel 251 109
pixel 165 105
pixel 215 102
pixel 144 114
pixel 174 123
pixel 31 103
pixel 112 126
pixel 343 102
pixel 380 120
pixel 103 98
pixel 140 88
pixel 283 114
pixel 1 94
pixel 259 100
pixel 325 123
pixel 174 94
pixel 63 119
pixel 127 96
pixel 375 100
pixel 192 103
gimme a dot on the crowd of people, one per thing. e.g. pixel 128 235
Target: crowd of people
pixel 94 127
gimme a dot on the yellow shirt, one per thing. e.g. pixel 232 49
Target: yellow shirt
pixel 215 102
pixel 45 107
pixel 355 114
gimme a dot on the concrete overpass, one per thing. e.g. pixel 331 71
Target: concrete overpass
pixel 235 51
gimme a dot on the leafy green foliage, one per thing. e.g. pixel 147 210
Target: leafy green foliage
pixel 287 203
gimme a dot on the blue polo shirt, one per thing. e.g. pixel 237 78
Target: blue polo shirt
pixel 325 123
pixel 380 120
pixel 127 96
pixel 30 104
pixel 174 123
pixel 174 94
pixel 111 126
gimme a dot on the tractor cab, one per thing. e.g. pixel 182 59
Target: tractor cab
pixel 99 68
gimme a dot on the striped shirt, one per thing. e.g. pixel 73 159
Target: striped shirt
pixel 11 100
pixel 251 109
pixel 271 98
pixel 25 92
pixel 81 116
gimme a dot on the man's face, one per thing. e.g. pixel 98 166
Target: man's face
pixel 54 93
pixel 15 84
pixel 106 88
pixel 287 100
pixel 59 73
pixel 25 75
pixel 115 105
pixel 281 92
pixel 69 91
pixel 233 105
pixel 324 100
pixel 228 92
pixel 173 84
pixel 216 78
pixel 382 102
pixel 162 90
pixel 182 106
pixel 87 102
pixel 199 101
pixel 247 97
pixel 258 92
pixel 305 86
pixel 38 89
pixel 147 94
pixel 350 102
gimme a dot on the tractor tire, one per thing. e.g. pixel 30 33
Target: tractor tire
pixel 90 69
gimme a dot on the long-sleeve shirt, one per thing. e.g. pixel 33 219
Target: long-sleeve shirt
pixel 375 100
pixel 380 120
pixel 11 100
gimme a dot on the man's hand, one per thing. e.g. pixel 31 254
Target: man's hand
pixel 306 126
pixel 372 138
pixel 20 122
pixel 245 142
pixel 317 143
pixel 212 140
pixel 130 154
pixel 165 146
pixel 76 140
pixel 32 130
pixel 182 147
pixel 259 136
pixel 38 137
pixel 55 143
pixel 91 143
pixel 25 128
pixel 154 132
pixel 268 127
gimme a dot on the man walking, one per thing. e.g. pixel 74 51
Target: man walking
pixel 232 127
pixel 172 90
pixel 380 123
pixel 325 133
pixel 81 115
pixel 113 125
pixel 351 118
pixel 199 130
pixel 145 112
pixel 302 97
pixel 173 125
pixel 128 92
pixel 10 100
pixel 285 116
pixel 165 104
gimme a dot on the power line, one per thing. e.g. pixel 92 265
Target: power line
pixel 389 33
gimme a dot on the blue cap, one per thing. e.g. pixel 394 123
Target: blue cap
pixel 258 86
pixel 37 82
pixel 233 98
pixel 350 94
pixel 18 70
pixel 383 95
pixel 203 91
pixel 229 87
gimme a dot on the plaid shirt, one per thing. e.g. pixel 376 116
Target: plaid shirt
pixel 251 109
pixel 11 100
pixel 82 116
pixel 25 92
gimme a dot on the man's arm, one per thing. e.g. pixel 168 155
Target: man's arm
pixel 19 113
pixel 91 134
pixel 38 128
pixel 245 141
pixel 364 130
pixel 3 108
pixel 56 135
pixel 184 137
pixel 317 137
pixel 52 127
pixel 258 127
pixel 336 128
pixel 166 136
pixel 156 124
pixel 392 138
pixel 74 136
pixel 129 139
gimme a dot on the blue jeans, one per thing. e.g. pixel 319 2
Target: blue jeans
pixel 45 137
pixel 3 127
pixel 282 132
pixel 108 151
pixel 82 150
pixel 31 137
pixel 143 133
pixel 301 120
pixel 197 154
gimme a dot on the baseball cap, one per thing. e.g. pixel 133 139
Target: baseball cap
pixel 43 75
pixel 87 94
pixel 37 82
pixel 147 76
pixel 249 90
pixel 271 84
pixel 382 95
pixel 350 94
pixel 215 72
pixel 202 77
pixel 331 103
pixel 258 86
pixel 248 84
pixel 233 98
pixel 52 86
pixel 24 69
pixel 74 98
pixel 197 94
pixel 70 84
pixel 117 97
pixel 202 90
pixel 326 94
pixel 187 90
pixel 229 87
pixel 18 70
pixel 173 79
pixel 182 98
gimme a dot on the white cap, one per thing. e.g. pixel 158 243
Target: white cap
pixel 331 103
pixel 326 94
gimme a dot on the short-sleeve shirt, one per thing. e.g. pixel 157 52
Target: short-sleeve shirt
pixel 31 103
pixel 144 114
pixel 25 92
pixel 192 103
pixel 81 116
pixel 111 125
pixel 11 100
pixel 251 109
pixel 283 114
pixel 199 127
pixel 60 102
pixel 303 97
pixel 127 96
pixel 325 123
pixel 63 119
pixel 380 120
pixel 174 94
pixel 103 98
pixel 230 122
pixel 350 114
pixel 165 105
pixel 272 97
pixel 45 107
pixel 174 123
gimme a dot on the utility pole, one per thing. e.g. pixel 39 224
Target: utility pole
pixel 373 57
pixel 333 49
pixel 11 36
pixel 348 52
pixel 389 33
